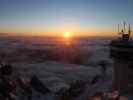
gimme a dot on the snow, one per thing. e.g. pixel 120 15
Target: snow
pixel 57 75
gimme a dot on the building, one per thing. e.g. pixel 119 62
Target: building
pixel 121 51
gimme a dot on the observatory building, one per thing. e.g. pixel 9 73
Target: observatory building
pixel 121 51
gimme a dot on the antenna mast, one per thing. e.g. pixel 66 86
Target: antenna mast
pixel 124 26
pixel 129 30
pixel 118 28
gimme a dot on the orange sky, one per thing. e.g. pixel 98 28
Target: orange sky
pixel 59 31
pixel 54 17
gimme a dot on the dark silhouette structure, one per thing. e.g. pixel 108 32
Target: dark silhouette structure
pixel 122 54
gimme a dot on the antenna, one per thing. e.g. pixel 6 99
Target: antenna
pixel 129 29
pixel 124 26
pixel 118 28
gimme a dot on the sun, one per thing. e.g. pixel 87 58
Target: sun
pixel 66 34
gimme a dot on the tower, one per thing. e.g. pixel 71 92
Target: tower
pixel 129 30
pixel 121 51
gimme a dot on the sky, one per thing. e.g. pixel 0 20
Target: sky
pixel 54 17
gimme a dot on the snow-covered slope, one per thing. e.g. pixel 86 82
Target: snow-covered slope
pixel 57 75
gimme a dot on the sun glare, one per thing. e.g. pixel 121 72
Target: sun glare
pixel 66 34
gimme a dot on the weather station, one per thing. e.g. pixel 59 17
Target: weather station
pixel 121 51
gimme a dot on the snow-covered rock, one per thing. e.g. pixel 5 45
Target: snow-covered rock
pixel 55 75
